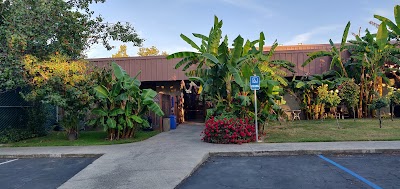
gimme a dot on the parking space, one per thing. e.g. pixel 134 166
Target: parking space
pixel 308 171
pixel 39 173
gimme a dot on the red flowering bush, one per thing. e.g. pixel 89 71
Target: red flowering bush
pixel 227 131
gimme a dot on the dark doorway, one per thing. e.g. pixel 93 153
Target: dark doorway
pixel 193 104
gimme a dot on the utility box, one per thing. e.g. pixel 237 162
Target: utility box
pixel 166 124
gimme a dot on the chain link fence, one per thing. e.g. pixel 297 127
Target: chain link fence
pixel 14 111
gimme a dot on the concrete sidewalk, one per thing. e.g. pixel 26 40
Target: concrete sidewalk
pixel 165 160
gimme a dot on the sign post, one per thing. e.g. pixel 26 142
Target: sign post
pixel 255 85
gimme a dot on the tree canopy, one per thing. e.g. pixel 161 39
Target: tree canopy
pixel 121 52
pixel 150 51
pixel 46 27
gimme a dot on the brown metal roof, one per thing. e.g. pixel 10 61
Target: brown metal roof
pixel 158 68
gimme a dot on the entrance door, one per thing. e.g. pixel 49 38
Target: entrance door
pixel 193 106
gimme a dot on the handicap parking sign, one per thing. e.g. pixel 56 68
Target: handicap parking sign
pixel 254 82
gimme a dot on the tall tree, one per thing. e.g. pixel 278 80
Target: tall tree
pixel 121 52
pixel 150 51
pixel 47 27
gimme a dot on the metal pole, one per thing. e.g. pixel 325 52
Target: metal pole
pixel 255 107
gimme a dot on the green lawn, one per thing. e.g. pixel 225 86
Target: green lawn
pixel 86 138
pixel 326 131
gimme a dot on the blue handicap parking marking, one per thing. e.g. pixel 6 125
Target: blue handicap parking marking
pixel 369 183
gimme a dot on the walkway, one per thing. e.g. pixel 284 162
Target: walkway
pixel 165 160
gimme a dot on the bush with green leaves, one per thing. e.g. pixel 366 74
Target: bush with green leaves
pixel 378 104
pixel 350 94
pixel 61 82
pixel 122 105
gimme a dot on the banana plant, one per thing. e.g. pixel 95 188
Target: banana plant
pixel 394 26
pixel 123 104
pixel 372 52
pixel 335 53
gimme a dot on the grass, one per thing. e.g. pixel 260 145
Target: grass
pixel 328 131
pixel 86 138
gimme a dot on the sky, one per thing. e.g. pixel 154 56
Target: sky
pixel 290 22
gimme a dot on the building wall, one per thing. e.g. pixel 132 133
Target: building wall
pixel 158 68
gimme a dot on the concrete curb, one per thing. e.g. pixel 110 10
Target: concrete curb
pixel 52 156
pixel 307 152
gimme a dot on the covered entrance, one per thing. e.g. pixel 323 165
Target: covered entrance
pixel 193 103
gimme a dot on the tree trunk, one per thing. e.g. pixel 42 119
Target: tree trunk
pixel 354 114
pixel 379 86
pixel 391 111
pixel 380 119
pixel 360 105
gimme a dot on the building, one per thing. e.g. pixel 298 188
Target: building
pixel 159 74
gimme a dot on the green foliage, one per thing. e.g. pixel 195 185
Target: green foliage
pixel 63 83
pixel 14 135
pixel 122 105
pixel 225 72
pixel 394 96
pixel 330 98
pixel 379 103
pixel 42 28
pixel 336 54
pixel 350 93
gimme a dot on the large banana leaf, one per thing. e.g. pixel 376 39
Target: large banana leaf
pixel 237 50
pixel 117 111
pixel 236 75
pixel 182 54
pixel 382 36
pixel 102 92
pixel 246 48
pixel 201 36
pixel 99 112
pixel 389 23
pixel 261 43
pixel 137 119
pixel 148 93
pixel 210 57
pixel 214 37
pixel 111 123
pixel 344 36
pixel 116 89
pixel 156 109
pixel 314 55
pixel 118 71
pixel 199 79
pixel 184 61
pixel 272 50
pixel 190 42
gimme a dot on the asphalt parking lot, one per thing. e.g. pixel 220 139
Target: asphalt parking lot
pixel 308 171
pixel 39 173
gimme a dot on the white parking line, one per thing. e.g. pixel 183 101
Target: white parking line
pixel 9 161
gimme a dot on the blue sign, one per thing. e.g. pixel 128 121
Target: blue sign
pixel 254 82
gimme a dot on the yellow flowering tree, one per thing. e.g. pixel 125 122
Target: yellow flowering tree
pixel 60 82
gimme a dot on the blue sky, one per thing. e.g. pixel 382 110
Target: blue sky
pixel 160 22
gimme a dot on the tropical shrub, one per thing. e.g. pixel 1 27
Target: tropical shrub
pixel 122 104
pixel 233 130
pixel 225 72
pixel 394 97
pixel 350 94
pixel 378 104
